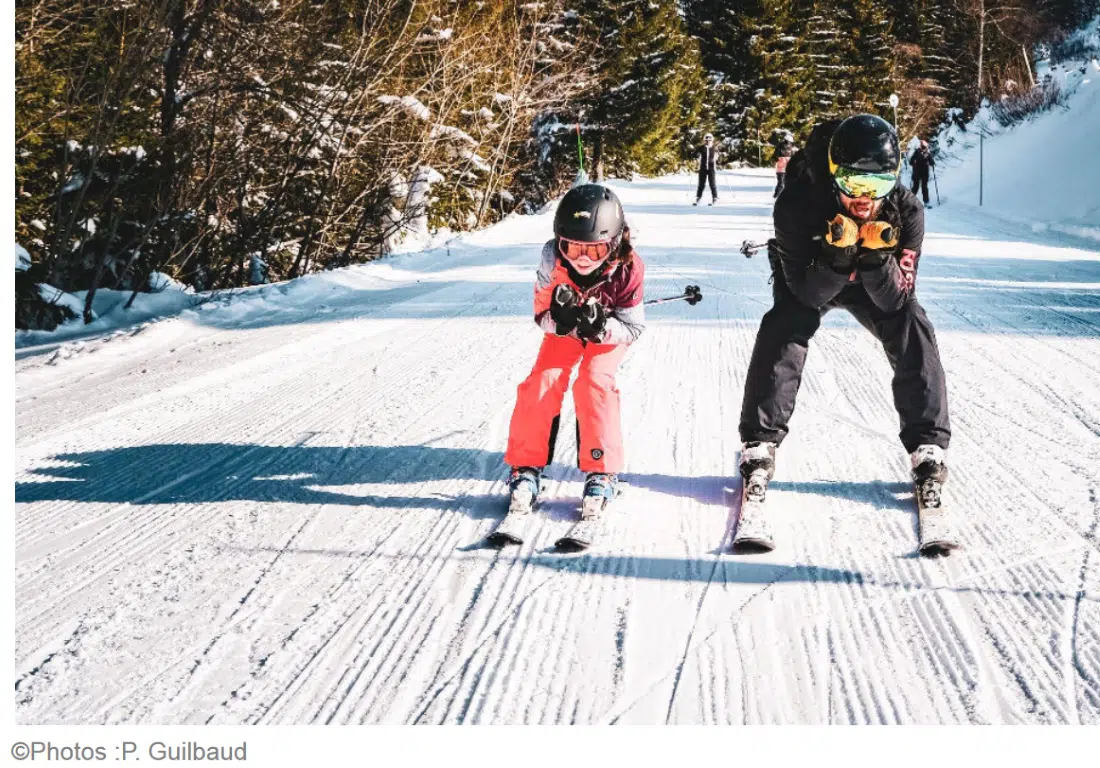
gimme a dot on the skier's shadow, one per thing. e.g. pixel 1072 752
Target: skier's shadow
pixel 353 476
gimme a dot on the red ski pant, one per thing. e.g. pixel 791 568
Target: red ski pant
pixel 539 398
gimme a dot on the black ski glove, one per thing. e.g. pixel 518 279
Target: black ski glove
pixel 593 321
pixel 564 310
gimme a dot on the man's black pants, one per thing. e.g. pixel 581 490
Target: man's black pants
pixel 775 371
pixel 704 177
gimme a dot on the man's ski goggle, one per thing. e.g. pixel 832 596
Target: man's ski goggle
pixel 854 183
pixel 574 249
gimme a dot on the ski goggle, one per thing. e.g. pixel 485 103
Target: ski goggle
pixel 575 249
pixel 854 183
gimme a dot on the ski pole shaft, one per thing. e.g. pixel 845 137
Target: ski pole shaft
pixel 580 147
pixel 934 179
pixel 691 294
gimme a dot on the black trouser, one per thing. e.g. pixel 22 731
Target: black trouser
pixel 775 371
pixel 704 177
pixel 778 183
pixel 921 181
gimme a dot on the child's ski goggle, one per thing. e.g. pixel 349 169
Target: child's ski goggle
pixel 575 249
pixel 854 183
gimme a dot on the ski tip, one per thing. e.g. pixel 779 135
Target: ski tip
pixel 934 549
pixel 570 546
pixel 500 539
pixel 751 546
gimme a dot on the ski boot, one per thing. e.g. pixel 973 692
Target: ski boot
pixel 757 468
pixel 523 486
pixel 600 489
pixel 937 533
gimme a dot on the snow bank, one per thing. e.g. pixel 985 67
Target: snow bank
pixel 1042 172
pixel 108 308
pixel 22 259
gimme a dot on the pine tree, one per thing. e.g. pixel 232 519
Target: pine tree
pixel 651 86
pixel 723 37
pixel 778 98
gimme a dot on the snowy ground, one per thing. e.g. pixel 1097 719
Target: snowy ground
pixel 264 511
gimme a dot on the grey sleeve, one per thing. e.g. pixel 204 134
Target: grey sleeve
pixel 625 325
pixel 542 283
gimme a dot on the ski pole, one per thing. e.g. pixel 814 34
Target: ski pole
pixel 580 148
pixel 934 179
pixel 691 294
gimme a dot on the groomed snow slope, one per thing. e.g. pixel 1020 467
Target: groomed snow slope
pixel 267 512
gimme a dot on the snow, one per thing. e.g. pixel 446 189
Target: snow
pixel 450 132
pixel 412 105
pixel 1041 172
pixel 52 295
pixel 263 509
pixel 442 35
pixel 23 260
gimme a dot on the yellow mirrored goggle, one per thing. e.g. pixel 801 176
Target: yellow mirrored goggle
pixel 855 183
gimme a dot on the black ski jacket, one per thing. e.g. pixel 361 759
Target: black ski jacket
pixel 801 215
pixel 708 158
pixel 921 161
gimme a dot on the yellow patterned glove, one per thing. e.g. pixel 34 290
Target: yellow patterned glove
pixel 842 232
pixel 878 234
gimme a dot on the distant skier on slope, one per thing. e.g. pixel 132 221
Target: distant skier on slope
pixel 847 235
pixel 922 161
pixel 588 300
pixel 708 169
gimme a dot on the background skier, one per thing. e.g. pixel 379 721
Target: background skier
pixel 588 300
pixel 921 162
pixel 708 169
pixel 847 235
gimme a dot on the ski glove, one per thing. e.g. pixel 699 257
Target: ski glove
pixel 841 244
pixel 878 238
pixel 593 321
pixel 877 235
pixel 564 310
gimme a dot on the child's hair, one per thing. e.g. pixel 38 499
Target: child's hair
pixel 625 253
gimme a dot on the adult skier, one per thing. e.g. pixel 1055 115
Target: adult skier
pixel 847 235
pixel 921 162
pixel 588 301
pixel 708 169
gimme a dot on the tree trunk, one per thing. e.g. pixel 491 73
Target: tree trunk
pixel 981 47
pixel 597 156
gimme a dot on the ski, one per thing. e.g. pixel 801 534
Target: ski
pixel 513 528
pixel 753 535
pixel 586 531
pixel 938 537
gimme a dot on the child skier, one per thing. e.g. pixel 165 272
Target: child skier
pixel 588 300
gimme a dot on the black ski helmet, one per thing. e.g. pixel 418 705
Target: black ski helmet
pixel 590 213
pixel 865 144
